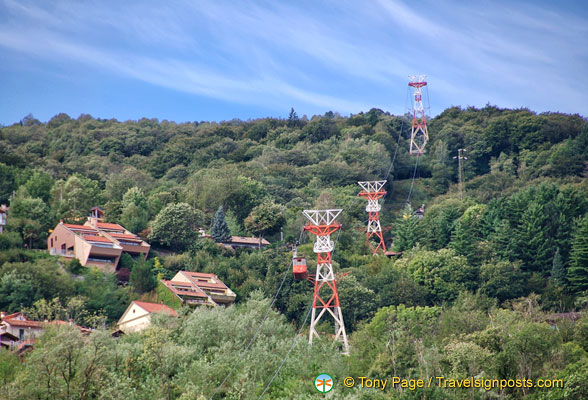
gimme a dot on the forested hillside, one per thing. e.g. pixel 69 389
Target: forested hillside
pixel 494 285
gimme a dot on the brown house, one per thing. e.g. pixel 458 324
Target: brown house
pixel 96 243
pixel 197 288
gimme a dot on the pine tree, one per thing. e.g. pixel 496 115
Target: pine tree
pixel 220 230
pixel 578 270
pixel 407 231
pixel 467 233
pixel 293 119
pixel 558 271
pixel 534 244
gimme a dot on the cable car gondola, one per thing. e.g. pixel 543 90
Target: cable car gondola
pixel 299 268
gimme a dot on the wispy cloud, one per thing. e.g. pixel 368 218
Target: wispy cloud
pixel 346 56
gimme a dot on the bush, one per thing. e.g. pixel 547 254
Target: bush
pixel 10 240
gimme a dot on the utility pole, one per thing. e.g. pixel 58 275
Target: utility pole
pixel 460 159
pixel 322 224
pixel 372 191
pixel 419 135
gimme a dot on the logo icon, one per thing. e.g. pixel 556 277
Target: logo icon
pixel 323 383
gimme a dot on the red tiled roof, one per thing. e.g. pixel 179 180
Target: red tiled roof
pixel 156 308
pixel 25 324
pixel 124 236
pixel 14 315
pixel 199 274
pixel 82 227
pixel 107 225
pixel 62 323
pixel 94 238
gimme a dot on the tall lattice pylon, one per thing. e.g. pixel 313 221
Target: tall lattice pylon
pixel 419 136
pixel 326 299
pixel 372 191
pixel 460 159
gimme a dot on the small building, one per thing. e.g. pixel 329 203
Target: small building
pixel 198 288
pixel 420 212
pixel 137 316
pixel 96 243
pixel 8 340
pixel 3 214
pixel 247 242
pixel 237 242
pixel 19 326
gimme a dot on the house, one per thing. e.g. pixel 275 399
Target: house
pixel 138 315
pixel 20 333
pixel 96 243
pixel 198 288
pixel 242 242
pixel 3 214
pixel 391 254
pixel 247 242
pixel 8 340
pixel 19 326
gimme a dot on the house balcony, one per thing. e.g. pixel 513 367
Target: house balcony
pixel 62 253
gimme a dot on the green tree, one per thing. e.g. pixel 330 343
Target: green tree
pixel 578 269
pixel 134 218
pixel 359 302
pixel 16 291
pixel 10 366
pixel 535 245
pixel 293 119
pixel 265 219
pixel 558 271
pixel 442 273
pixel 440 220
pixel 407 232
pixel 76 196
pixel 39 185
pixel 220 231
pixel 468 232
pixel 142 278
pixel 7 182
pixel 31 218
pixel 502 280
pixel 175 226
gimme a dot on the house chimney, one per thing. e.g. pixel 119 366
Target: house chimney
pixel 2 314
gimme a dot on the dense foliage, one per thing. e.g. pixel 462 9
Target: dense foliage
pixel 476 292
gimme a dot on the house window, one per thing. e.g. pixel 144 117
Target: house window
pixel 51 242
pixel 21 334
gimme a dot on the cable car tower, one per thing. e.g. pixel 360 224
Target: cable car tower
pixel 372 191
pixel 419 136
pixel 326 299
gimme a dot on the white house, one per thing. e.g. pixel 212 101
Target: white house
pixel 138 315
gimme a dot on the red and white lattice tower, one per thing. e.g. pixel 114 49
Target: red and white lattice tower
pixel 419 136
pixel 326 299
pixel 372 191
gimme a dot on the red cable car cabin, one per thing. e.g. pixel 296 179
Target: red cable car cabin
pixel 299 268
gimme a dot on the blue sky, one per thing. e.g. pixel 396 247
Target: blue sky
pixel 216 60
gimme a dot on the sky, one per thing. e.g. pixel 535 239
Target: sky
pixel 199 60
